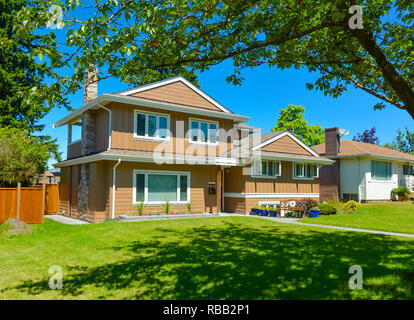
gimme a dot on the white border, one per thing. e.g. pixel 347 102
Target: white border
pixel 283 135
pixel 304 178
pixel 263 176
pixel 269 195
pixel 173 80
pixel 163 172
pixel 146 137
pixel 208 133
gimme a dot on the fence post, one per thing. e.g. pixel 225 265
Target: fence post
pixel 18 201
pixel 43 197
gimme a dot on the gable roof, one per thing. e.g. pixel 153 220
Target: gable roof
pixel 361 149
pixel 257 141
pixel 175 90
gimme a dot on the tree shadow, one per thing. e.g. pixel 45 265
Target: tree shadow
pixel 238 262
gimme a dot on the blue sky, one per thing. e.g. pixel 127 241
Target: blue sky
pixel 261 96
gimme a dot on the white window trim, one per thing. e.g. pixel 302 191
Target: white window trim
pixel 391 179
pixel 303 177
pixel 161 172
pixel 410 168
pixel 266 176
pixel 146 137
pixel 208 132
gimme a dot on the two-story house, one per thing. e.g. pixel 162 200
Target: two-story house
pixel 170 141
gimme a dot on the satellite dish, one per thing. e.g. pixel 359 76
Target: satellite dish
pixel 343 132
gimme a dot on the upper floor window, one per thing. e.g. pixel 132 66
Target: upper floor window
pixel 381 170
pixel 202 131
pixel 153 126
pixel 408 170
pixel 305 171
pixel 266 168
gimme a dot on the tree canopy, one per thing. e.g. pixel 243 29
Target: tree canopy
pixel 23 157
pixel 292 118
pixel 146 40
pixel 403 141
pixel 368 136
pixel 25 95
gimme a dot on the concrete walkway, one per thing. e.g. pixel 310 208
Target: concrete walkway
pixel 295 221
pixel 65 220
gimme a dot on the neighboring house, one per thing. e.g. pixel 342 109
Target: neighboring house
pixel 362 171
pixel 171 141
pixel 51 176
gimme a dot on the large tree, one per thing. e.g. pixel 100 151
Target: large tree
pixel 141 41
pixel 367 136
pixel 403 141
pixel 23 157
pixel 292 118
pixel 27 89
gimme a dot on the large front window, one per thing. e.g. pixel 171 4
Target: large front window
pixel 381 170
pixel 161 186
pixel 305 171
pixel 203 131
pixel 266 168
pixel 151 126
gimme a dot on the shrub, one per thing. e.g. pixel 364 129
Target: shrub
pixel 402 192
pixel 327 209
pixel 167 207
pixel 309 204
pixel 294 214
pixel 350 206
pixel 140 207
pixel 189 206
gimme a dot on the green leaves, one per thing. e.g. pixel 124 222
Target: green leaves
pixel 292 117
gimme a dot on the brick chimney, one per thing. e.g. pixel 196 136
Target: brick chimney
pixel 332 141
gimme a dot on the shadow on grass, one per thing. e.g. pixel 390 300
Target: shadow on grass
pixel 238 262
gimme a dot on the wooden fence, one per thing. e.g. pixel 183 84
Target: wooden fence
pixel 28 204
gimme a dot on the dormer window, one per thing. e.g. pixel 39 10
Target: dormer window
pixel 151 126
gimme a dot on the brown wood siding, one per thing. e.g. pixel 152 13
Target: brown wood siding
pixel 286 145
pixel 199 178
pixel 74 150
pixel 100 180
pixel 234 205
pixel 123 131
pixel 177 93
pixel 283 184
pixel 234 179
pixel 64 190
pixel 74 183
pixel 101 130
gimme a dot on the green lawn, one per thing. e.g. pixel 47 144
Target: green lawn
pixel 205 258
pixel 388 216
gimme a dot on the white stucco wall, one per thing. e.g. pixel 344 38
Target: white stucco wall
pixel 378 189
pixel 350 176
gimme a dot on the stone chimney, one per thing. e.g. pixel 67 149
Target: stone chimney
pixel 332 141
pixel 91 88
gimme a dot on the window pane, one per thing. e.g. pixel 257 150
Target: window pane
pixel 141 124
pixel 163 127
pixel 308 172
pixel 381 170
pixel 204 134
pixel 264 168
pixel 183 188
pixel 270 168
pixel 152 125
pixel 194 131
pixel 140 185
pixel 298 170
pixel 277 168
pixel 406 169
pixel 213 133
pixel 162 187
